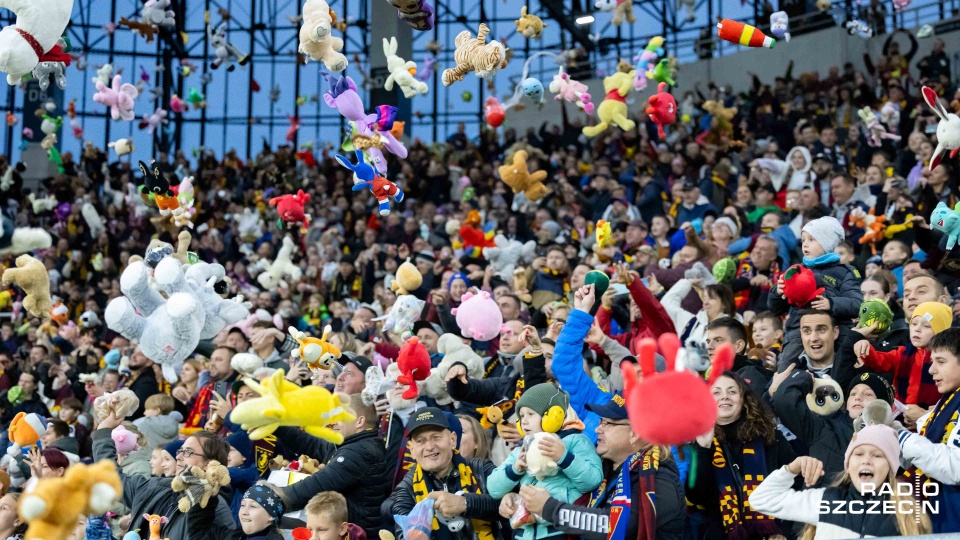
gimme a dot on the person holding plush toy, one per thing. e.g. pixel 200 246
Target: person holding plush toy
pixel 841 284
pixel 260 511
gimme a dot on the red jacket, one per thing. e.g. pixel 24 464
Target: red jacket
pixel 911 374
pixel 652 322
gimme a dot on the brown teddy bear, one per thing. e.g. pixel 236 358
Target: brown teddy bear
pixel 31 276
pixel 518 177
pixel 198 485
pixel 54 504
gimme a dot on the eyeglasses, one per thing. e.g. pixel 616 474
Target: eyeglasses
pixel 609 423
pixel 187 453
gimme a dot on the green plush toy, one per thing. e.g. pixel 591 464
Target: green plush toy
pixel 875 311
pixel 725 270
pixel 600 282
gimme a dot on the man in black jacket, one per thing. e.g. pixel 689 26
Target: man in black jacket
pixel 355 468
pixel 143 380
pixel 463 507
pixel 651 471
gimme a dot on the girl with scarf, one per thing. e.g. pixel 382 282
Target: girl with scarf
pixel 869 480
pixel 730 461
pixel 260 513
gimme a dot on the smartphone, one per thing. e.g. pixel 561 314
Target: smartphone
pixel 620 289
pixel 931 128
pixel 222 388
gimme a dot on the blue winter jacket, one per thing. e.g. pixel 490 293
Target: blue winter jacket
pixel 567 370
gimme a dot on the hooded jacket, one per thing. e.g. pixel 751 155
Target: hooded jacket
pixel 137 462
pixel 783 174
pixel 160 429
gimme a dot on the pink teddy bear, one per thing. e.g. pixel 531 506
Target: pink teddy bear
pixel 570 90
pixel 125 440
pixel 119 97
pixel 478 316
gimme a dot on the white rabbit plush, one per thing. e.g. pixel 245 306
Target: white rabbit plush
pixel 401 72
pixel 948 130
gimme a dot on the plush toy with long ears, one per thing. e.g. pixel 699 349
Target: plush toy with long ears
pixel 227 54
pixel 283 403
pixel 365 177
pixel 800 286
pixel 156 189
pixel 622 9
pixel 662 109
pixel 414 364
pixel 34 37
pixel 317 353
pixel 403 73
pixel 613 108
pixel 572 91
pixel 54 504
pixel 475 54
pixel 282 266
pixel 119 97
pixel 183 215
pixel 948 129
pixel 673 407
pixel 374 127
pixel 946 221
pixel 31 276
pixel 292 209
pixel 521 180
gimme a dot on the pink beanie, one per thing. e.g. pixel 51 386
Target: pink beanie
pixel 883 437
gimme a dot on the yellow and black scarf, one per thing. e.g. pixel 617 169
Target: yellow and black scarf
pixel 739 520
pixel 468 484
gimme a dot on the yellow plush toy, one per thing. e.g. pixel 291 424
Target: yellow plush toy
pixel 528 25
pixel 613 108
pixel 53 505
pixel 518 177
pixel 408 278
pixel 31 276
pixel 317 353
pixel 283 403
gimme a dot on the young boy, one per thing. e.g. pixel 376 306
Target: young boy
pixel 909 365
pixel 767 337
pixel 935 450
pixel 579 468
pixel 327 518
pixel 547 278
pixel 70 411
pixel 894 255
pixel 160 424
pixel 841 283
pixel 845 250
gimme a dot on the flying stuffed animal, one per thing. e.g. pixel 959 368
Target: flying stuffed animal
pixel 34 37
pixel 475 54
pixel 316 40
pixel 416 13
pixel 613 108
pixel 529 25
pixel 408 278
pixel 414 364
pixel 282 265
pixel 226 53
pixel 122 146
pixel 475 239
pixel 478 316
pixel 494 113
pixel 402 316
pixel 800 286
pixel 662 109
pixel 780 25
pixel 54 504
pixel 373 130
pixel 572 91
pixel 402 73
pixel 156 189
pixel 872 225
pixel 622 9
pixel 119 97
pixel 506 255
pixel 317 353
pixel 365 177
pixel 874 131
pixel 152 121
pixel 291 209
pixel 521 180
pixel 662 72
pixel 948 129
pixel 30 275
pixel 283 403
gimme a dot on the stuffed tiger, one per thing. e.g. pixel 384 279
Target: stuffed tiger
pixel 475 55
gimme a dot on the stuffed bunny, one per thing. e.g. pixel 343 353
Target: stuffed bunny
pixel 364 176
pixel 948 129
pixel 402 73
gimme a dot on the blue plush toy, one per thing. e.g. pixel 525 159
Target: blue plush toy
pixel 947 221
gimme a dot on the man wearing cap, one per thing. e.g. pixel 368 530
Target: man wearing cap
pixel 693 205
pixel 641 488
pixel 429 333
pixel 464 509
pixel 824 170
pixel 353 377
pixel 827 145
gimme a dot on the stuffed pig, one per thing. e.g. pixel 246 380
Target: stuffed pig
pixel 478 316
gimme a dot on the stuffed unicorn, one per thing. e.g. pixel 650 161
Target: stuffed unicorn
pixel 874 131
pixel 39 26
pixel 570 90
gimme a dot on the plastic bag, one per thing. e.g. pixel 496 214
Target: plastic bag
pixel 522 516
pixel 418 525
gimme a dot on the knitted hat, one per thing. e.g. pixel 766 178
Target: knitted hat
pixel 730 223
pixel 878 384
pixel 940 316
pixel 458 275
pixel 173 447
pixel 827 231
pixel 883 437
pixel 240 442
pixel 541 397
pixel 266 498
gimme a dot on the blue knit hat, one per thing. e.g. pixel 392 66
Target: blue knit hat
pixel 458 275
pixel 240 442
pixel 173 447
pixel 267 498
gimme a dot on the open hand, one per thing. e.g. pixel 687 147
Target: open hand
pixel 552 448
pixel 457 372
pixel 810 468
pixel 778 378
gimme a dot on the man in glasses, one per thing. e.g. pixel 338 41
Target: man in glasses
pixel 641 487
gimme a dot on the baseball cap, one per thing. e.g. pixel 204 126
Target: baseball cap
pixel 427 417
pixel 689 185
pixel 359 362
pixel 821 156
pixel 420 325
pixel 615 409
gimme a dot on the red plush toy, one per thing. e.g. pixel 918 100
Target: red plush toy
pixel 291 208
pixel 673 407
pixel 494 113
pixel 474 238
pixel 662 109
pixel 414 364
pixel 800 286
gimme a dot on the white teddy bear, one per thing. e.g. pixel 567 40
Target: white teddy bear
pixel 538 464
pixel 454 351
pixel 316 41
pixel 282 265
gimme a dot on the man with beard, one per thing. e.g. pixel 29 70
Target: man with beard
pixel 222 375
pixel 143 380
pixel 640 480
pixel 756 274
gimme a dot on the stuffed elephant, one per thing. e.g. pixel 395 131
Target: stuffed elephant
pixel 508 254
pixel 167 330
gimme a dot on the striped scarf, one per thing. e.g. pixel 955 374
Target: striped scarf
pixel 621 499
pixel 735 486
pixel 468 484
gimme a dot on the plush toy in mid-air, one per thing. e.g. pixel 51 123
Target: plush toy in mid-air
pixel 475 54
pixel 663 109
pixel 316 40
pixel 622 9
pixel 873 226
pixel 613 108
pixel 506 255
pixel 119 97
pixel 416 13
pixel 529 25
pixel 800 286
pixel 725 270
pixel 199 485
pixel 283 403
pixel 494 114
pixel 291 209
pixel 365 177
pixel 826 397
pixel 402 316
pixel 572 91
pixel 780 25
pixel 122 146
pixel 282 266
pixel 403 73
pixel 408 278
pixel 152 121
pixel 208 284
pixel 54 504
pixel 478 316
pixel 873 130
pixel 317 353
pixel 942 219
pixel 875 312
pixel 414 364
pixel 373 130
pixel 227 54
pixel 948 129
pixel 645 62
pixel 34 37
pixel 31 276
pixel 743 34
pixel 663 71
pixel 475 239
pixel 454 352
pixel 673 407
pixel 521 180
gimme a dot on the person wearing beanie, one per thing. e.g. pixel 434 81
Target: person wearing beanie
pixel 242 468
pixel 870 468
pixel 935 448
pixel 840 282
pixel 261 508
pixel 825 436
pixel 910 364
pixel 543 408
pixel 457 285
pixel 168 457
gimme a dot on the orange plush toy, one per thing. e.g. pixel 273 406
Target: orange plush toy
pixel 53 505
pixel 474 238
pixel 800 286
pixel 414 364
pixel 873 227
pixel 673 407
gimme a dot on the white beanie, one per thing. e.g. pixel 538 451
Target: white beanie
pixel 827 231
pixel 730 223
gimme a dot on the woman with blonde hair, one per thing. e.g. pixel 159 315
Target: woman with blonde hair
pixel 189 381
pixel 474 443
pixel 866 500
